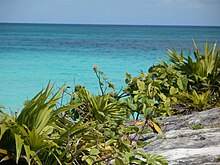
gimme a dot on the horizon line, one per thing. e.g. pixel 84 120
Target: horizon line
pixel 108 24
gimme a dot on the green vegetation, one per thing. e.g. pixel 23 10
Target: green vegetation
pixel 96 129
pixel 197 126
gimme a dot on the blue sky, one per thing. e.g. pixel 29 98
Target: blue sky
pixel 143 12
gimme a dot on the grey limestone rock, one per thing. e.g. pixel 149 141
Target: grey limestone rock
pixel 191 139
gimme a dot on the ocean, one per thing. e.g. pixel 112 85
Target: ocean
pixel 31 55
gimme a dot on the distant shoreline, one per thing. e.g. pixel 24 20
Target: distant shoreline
pixel 121 25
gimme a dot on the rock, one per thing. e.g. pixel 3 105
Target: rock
pixel 192 139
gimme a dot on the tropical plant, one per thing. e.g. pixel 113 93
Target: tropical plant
pixel 43 133
pixel 93 129
pixel 203 74
pixel 181 82
pixel 99 107
pixel 203 70
pixel 30 136
pixel 108 135
pixel 195 100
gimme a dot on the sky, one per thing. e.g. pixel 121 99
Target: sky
pixel 129 12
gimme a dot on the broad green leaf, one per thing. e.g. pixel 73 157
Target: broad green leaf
pixel 141 85
pixel 84 157
pixel 94 151
pixel 182 83
pixel 162 96
pixel 89 161
pixel 150 102
pixel 173 90
pixel 109 133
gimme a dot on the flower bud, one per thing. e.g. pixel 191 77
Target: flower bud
pixel 95 67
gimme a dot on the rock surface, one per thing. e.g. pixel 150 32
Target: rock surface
pixel 191 139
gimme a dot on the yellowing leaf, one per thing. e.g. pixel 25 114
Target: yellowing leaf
pixel 157 128
pixel 137 123
pixel 136 98
pixel 2 151
pixel 150 124
pixel 108 148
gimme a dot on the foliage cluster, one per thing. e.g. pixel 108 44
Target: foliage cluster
pixel 183 83
pixel 96 129
pixel 88 130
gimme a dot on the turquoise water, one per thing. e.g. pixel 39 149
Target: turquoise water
pixel 33 54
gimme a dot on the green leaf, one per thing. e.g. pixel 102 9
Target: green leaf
pixel 132 106
pixel 173 90
pixel 28 153
pixel 118 161
pixel 89 161
pixel 144 109
pixel 110 141
pixel 170 70
pixel 94 151
pixel 162 96
pixel 182 83
pixel 66 108
pixel 109 133
pixel 150 102
pixel 58 160
pixel 136 97
pixel 3 128
pixel 141 85
pixel 19 144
